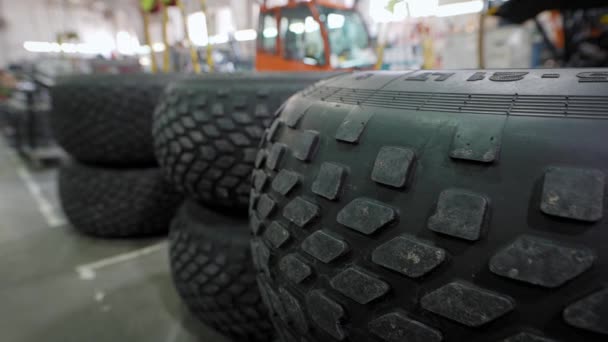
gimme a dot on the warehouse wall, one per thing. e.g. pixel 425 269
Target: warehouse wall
pixel 41 20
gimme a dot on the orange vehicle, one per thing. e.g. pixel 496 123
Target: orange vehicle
pixel 314 35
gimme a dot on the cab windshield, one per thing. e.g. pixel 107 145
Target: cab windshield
pixel 348 38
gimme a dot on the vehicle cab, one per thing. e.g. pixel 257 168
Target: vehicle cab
pixel 312 36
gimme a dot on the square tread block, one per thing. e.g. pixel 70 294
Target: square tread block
pixel 477 141
pixel 573 193
pixel 392 166
pixel 460 214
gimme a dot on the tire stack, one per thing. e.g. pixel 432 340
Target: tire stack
pixel 437 206
pixel 206 134
pixel 113 187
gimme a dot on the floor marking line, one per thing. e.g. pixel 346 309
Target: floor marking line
pixel 173 333
pixel 87 271
pixel 44 206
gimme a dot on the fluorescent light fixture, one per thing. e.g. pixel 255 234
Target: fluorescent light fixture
pixel 69 48
pixel 245 35
pixel 421 8
pixel 158 47
pixel 270 32
pixel 55 47
pixel 335 21
pixel 219 39
pixel 311 25
pixel 276 3
pixel 460 8
pixel 88 49
pixel 145 61
pixel 297 28
pixel 100 42
pixel 197 28
pixel 143 49
pixel 33 46
pixel 126 44
pixel 379 13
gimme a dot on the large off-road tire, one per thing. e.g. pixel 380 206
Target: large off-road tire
pixel 106 120
pixel 213 273
pixel 207 131
pixel 117 202
pixel 437 206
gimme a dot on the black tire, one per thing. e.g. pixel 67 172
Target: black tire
pixel 213 273
pixel 437 206
pixel 106 119
pixel 207 131
pixel 116 203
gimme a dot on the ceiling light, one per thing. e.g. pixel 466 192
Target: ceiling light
pixel 460 8
pixel 245 35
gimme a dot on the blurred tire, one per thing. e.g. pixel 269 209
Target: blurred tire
pixel 116 203
pixel 106 120
pixel 207 130
pixel 213 273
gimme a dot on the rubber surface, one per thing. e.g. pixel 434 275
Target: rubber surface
pixel 117 202
pixel 437 206
pixel 213 273
pixel 207 131
pixel 106 120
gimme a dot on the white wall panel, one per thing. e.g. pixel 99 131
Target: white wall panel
pixel 41 20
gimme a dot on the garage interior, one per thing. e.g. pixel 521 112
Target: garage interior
pixel 61 283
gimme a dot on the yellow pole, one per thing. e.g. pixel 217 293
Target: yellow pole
pixel 482 33
pixel 166 57
pixel 153 64
pixel 382 33
pixel 208 49
pixel 193 55
pixel 480 41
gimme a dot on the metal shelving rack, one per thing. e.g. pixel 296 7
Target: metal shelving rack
pixel 31 107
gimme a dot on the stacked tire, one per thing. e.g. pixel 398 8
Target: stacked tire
pixel 437 206
pixel 206 135
pixel 113 186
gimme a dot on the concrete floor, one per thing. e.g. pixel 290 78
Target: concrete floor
pixel 58 285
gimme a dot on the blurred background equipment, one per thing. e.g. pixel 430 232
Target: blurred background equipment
pixel 207 35
pixel 27 106
pixel 312 36
pixel 582 39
